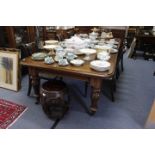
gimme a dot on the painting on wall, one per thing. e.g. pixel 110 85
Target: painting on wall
pixel 9 70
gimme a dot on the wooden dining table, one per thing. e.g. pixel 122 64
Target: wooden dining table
pixel 84 72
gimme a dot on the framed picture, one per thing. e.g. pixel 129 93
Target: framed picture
pixel 9 69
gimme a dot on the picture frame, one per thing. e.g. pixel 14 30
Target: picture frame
pixel 9 69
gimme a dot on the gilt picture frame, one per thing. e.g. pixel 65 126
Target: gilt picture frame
pixel 9 69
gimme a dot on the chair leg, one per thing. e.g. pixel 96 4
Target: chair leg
pixel 61 78
pixel 68 97
pixel 114 86
pixel 117 72
pixel 112 89
pixel 112 95
pixel 86 89
pixel 122 67
pixel 134 55
pixel 29 86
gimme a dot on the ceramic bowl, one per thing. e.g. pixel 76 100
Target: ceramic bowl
pixel 103 56
pixel 77 62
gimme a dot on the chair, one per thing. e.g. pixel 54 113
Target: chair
pixel 120 33
pixel 43 76
pixel 59 36
pixel 28 49
pixel 121 52
pixel 149 51
pixel 71 33
pixel 110 85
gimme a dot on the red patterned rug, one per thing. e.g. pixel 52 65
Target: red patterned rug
pixel 9 113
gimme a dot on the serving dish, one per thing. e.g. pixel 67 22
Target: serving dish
pixel 39 56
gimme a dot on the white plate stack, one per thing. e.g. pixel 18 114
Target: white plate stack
pixel 51 42
pixel 100 65
pixel 50 47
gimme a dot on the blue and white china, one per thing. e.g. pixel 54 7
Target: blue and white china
pixel 48 60
pixel 70 56
pixel 63 62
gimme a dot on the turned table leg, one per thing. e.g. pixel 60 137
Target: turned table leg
pixel 95 94
pixel 35 82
